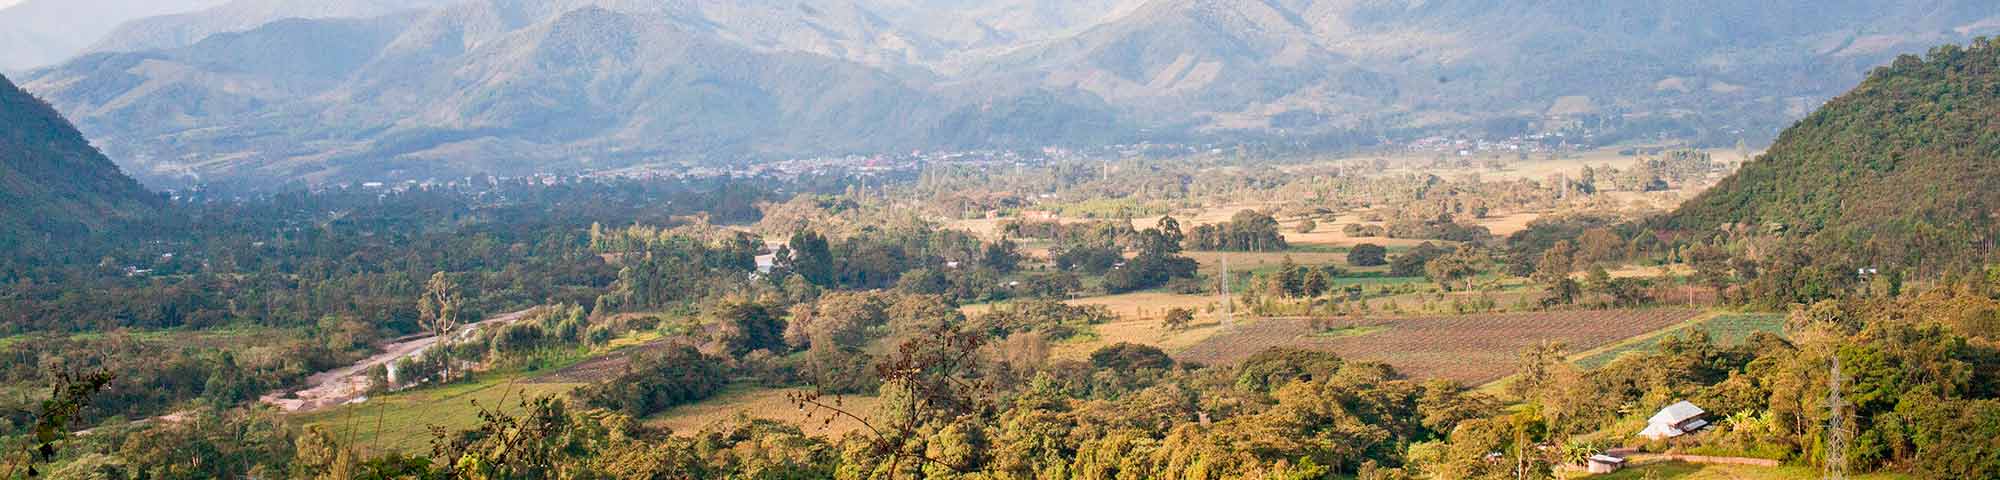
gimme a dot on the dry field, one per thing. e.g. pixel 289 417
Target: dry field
pixel 1471 349
pixel 1537 167
pixel 1140 321
pixel 1211 262
pixel 1505 225
pixel 767 404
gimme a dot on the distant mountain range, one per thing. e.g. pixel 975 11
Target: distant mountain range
pixel 1902 172
pixel 35 33
pixel 247 93
pixel 53 186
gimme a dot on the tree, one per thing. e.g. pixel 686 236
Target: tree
pixel 1457 266
pixel 1711 266
pixel 1290 279
pixel 1367 255
pixel 1598 245
pixel 808 255
pixel 1125 357
pixel 1556 264
pixel 439 309
pixel 1413 262
pixel 1171 229
pixel 1317 283
pixel 1563 292
pixel 1056 284
pixel 743 326
pixel 1002 256
pixel 1178 319
pixel 1307 226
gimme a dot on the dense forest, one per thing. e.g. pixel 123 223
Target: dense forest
pixel 56 187
pixel 1903 172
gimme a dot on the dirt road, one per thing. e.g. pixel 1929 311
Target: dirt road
pixel 350 383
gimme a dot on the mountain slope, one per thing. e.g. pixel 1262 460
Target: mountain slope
pixel 53 185
pixel 1701 64
pixel 1904 171
pixel 517 86
pixel 183 29
pixel 35 33
pixel 507 87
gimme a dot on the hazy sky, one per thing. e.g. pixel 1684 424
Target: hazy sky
pixel 8 3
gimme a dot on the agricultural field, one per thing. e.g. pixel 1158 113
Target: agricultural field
pixel 1471 349
pixel 1725 329
pixel 1138 330
pixel 765 404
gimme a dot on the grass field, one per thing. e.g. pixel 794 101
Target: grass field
pixel 764 403
pixel 1471 349
pixel 402 421
pixel 1694 471
pixel 1725 329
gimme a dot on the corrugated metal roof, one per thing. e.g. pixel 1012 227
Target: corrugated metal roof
pixel 1678 412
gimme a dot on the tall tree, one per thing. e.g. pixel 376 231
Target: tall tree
pixel 808 255
pixel 438 306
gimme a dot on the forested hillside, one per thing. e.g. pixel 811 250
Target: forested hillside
pixel 1904 171
pixel 53 184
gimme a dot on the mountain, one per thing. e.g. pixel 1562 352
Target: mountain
pixel 183 29
pixel 52 183
pixel 35 33
pixel 888 34
pixel 508 87
pixel 1903 171
pixel 377 90
pixel 1313 64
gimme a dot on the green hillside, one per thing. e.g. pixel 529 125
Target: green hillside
pixel 1903 171
pixel 53 185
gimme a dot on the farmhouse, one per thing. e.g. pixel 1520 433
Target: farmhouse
pixel 1601 463
pixel 1678 419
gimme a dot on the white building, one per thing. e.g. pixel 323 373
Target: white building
pixel 1678 419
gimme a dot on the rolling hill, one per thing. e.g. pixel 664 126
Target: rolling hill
pixel 1903 171
pixel 53 185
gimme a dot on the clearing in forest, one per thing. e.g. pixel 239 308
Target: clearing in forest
pixel 1471 349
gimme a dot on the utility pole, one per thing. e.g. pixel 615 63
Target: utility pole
pixel 1227 304
pixel 1837 434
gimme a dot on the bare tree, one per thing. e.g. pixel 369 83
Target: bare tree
pixel 439 307
pixel 933 371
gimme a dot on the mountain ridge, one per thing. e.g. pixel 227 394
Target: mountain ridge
pixel 428 92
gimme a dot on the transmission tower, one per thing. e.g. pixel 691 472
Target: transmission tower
pixel 1837 432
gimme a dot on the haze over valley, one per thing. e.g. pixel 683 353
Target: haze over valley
pixel 1004 239
pixel 250 92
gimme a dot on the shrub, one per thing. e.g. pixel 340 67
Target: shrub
pixel 1367 255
